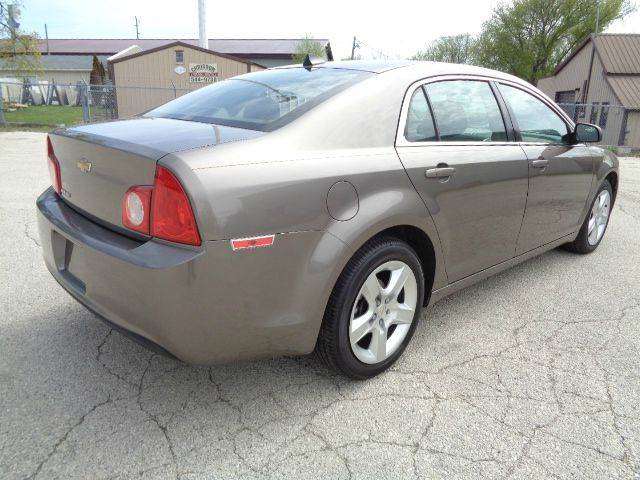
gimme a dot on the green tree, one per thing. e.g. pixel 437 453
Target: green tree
pixel 18 50
pixel 308 46
pixel 528 38
pixel 454 49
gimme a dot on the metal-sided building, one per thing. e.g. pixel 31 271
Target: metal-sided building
pixel 59 69
pixel 603 73
pixel 149 78
pixel 76 54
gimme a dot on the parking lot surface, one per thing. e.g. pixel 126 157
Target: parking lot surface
pixel 534 373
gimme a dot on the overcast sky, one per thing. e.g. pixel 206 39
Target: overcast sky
pixel 397 28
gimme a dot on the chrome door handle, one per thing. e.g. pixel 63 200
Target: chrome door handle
pixel 440 172
pixel 540 164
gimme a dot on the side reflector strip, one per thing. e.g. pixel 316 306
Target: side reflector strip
pixel 253 242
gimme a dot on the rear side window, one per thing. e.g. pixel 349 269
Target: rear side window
pixel 419 126
pixel 536 121
pixel 466 111
pixel 262 101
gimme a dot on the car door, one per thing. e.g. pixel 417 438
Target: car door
pixel 455 143
pixel 560 174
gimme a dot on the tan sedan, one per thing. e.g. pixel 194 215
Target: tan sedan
pixel 316 207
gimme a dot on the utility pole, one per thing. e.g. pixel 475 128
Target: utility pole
pixel 203 41
pixel 137 30
pixel 597 16
pixel 2 120
pixel 46 36
pixel 353 47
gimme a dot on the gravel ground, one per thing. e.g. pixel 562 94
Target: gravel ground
pixel 534 373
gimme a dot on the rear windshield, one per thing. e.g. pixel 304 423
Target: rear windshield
pixel 262 101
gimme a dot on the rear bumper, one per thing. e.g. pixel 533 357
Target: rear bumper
pixel 145 342
pixel 203 305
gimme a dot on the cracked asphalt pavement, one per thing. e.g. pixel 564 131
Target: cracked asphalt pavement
pixel 534 373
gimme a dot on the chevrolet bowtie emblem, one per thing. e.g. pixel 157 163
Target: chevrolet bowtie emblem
pixel 84 166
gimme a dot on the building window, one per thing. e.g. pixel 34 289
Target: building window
pixel 567 101
pixel 179 56
pixel 567 96
pixel 594 113
pixel 604 113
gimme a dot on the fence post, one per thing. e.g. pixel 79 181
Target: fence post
pixel 84 98
pixel 622 134
pixel 2 120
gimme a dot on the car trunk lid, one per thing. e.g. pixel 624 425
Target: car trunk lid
pixel 100 162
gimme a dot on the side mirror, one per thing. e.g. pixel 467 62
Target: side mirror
pixel 587 133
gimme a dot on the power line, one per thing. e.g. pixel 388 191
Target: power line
pixel 376 51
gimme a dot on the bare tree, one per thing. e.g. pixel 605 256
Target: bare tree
pixel 18 50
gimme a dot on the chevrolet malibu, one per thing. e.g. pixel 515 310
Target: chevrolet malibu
pixel 316 207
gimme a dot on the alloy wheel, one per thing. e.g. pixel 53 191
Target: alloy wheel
pixel 383 312
pixel 599 217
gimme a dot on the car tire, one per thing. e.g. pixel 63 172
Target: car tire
pixel 589 236
pixel 382 262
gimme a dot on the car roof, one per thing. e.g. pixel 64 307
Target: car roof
pixel 418 69
pixel 406 69
pixel 373 66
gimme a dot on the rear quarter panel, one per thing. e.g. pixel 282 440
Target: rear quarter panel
pixel 288 198
pixel 278 184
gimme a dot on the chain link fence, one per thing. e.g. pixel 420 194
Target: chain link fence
pixel 612 119
pixel 49 104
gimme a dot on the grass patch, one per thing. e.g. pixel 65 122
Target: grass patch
pixel 47 115
pixel 26 128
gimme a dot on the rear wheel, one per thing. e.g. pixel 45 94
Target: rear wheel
pixel 373 309
pixel 595 225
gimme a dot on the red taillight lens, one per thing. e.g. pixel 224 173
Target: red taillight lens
pixel 136 208
pixel 54 167
pixel 171 214
pixel 162 210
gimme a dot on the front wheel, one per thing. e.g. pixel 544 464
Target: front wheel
pixel 595 225
pixel 373 309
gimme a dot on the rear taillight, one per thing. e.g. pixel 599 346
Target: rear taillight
pixel 162 210
pixel 54 167
pixel 171 214
pixel 136 209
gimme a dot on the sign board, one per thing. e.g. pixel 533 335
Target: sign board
pixel 203 72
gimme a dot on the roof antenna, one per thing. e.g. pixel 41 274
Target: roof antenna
pixel 307 63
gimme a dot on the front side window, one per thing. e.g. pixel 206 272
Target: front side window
pixel 419 126
pixel 466 111
pixel 536 121
pixel 262 101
